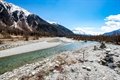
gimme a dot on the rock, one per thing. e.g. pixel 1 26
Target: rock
pixel 95 48
pixel 99 61
pixel 91 61
pixel 50 64
pixel 55 71
pixel 111 65
pixel 88 68
pixel 85 60
pixel 118 64
pixel 109 58
pixel 115 78
pixel 33 72
pixel 84 67
pixel 105 78
pixel 117 55
pixel 57 62
pixel 98 55
pixel 72 70
pixel 102 46
pixel 103 62
pixel 108 50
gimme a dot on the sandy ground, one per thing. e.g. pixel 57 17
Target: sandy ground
pixel 70 65
pixel 28 48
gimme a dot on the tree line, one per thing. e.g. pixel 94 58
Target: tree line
pixel 100 38
pixel 7 31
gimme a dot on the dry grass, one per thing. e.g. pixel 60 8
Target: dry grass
pixel 14 38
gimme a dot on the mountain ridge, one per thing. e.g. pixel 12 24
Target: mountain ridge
pixel 112 33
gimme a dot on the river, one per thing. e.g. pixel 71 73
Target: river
pixel 13 62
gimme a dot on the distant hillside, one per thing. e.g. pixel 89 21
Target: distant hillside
pixel 16 20
pixel 116 32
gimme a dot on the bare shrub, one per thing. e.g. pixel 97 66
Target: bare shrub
pixel 1 42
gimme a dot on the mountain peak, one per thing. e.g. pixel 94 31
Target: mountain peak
pixel 12 8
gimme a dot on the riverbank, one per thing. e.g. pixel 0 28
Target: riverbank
pixel 28 46
pixel 70 65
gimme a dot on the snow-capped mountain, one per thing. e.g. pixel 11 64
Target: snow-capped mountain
pixel 79 32
pixel 13 17
pixel 12 8
pixel 116 32
pixel 76 31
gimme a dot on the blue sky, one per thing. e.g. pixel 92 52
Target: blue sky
pixel 83 14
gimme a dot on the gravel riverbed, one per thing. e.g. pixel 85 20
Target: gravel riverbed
pixel 71 65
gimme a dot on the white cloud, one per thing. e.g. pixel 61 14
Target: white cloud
pixel 112 23
pixel 113 17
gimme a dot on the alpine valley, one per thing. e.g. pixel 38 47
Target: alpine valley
pixel 16 20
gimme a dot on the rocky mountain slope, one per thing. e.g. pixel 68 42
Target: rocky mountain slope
pixel 17 19
pixel 63 29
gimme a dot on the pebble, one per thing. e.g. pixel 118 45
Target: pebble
pixel 33 72
pixel 55 71
pixel 88 68
pixel 84 67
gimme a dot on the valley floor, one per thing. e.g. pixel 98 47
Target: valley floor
pixel 71 65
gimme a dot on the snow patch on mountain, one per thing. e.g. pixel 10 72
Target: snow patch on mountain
pixel 54 23
pixel 11 7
